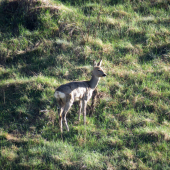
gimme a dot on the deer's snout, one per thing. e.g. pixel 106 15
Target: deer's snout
pixel 104 75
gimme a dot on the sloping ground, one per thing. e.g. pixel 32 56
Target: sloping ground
pixel 47 43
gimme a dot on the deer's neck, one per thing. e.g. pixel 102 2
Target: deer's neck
pixel 94 82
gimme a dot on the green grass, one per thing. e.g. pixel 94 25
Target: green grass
pixel 46 44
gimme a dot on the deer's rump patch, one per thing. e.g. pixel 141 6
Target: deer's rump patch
pixel 59 95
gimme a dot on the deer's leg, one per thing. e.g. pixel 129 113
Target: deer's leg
pixel 84 111
pixel 60 118
pixel 66 109
pixel 80 108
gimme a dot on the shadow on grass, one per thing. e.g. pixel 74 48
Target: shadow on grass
pixel 165 22
pixel 20 106
pixel 31 64
pixel 17 155
pixel 156 52
pixel 15 13
pixel 81 2
pixel 144 8
pixel 25 13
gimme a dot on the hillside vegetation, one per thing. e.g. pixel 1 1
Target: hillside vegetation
pixel 46 43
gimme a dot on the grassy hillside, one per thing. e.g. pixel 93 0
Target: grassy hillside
pixel 44 44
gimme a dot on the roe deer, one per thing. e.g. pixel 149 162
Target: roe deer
pixel 77 91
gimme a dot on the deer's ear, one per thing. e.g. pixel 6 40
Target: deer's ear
pixel 94 63
pixel 100 63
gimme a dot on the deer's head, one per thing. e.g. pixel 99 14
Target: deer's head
pixel 97 69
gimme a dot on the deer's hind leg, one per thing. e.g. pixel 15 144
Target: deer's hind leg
pixel 60 114
pixel 60 119
pixel 66 109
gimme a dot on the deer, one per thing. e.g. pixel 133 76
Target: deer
pixel 80 91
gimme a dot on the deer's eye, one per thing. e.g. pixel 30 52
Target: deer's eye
pixel 98 70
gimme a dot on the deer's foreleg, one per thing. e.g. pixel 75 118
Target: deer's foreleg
pixel 80 109
pixel 84 110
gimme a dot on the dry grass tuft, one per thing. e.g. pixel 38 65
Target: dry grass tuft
pixel 12 138
pixel 95 41
pixel 111 21
pixel 128 154
pixel 107 48
pixel 114 142
pixel 9 154
pixel 151 93
pixel 120 14
pixel 81 141
pixel 110 166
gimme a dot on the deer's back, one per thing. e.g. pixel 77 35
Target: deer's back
pixel 76 90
